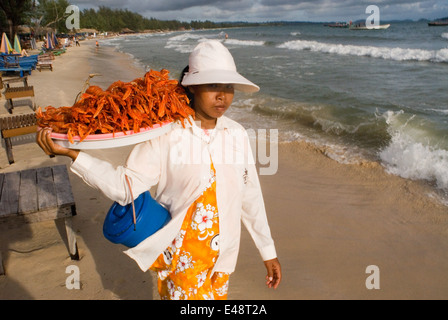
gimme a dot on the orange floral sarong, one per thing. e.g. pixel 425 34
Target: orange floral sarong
pixel 184 268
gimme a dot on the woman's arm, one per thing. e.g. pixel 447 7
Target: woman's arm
pixel 142 169
pixel 255 219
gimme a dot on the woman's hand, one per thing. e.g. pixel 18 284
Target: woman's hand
pixel 274 275
pixel 44 140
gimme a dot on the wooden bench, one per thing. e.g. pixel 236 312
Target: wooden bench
pixel 18 92
pixel 12 126
pixel 45 62
pixel 36 195
pixel 7 81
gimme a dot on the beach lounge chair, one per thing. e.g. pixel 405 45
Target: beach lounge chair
pixel 20 70
pixel 11 63
pixel 15 61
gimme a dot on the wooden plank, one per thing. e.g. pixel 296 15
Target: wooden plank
pixel 46 193
pixel 28 191
pixel 12 93
pixel 62 185
pixel 18 220
pixel 18 131
pixel 71 239
pixel 24 80
pixel 9 201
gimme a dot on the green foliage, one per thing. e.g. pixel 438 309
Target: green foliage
pixel 53 14
pixel 3 23
pixel 115 20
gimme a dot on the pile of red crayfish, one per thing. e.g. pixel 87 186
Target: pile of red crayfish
pixel 124 106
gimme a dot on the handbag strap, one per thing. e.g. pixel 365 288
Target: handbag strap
pixel 134 220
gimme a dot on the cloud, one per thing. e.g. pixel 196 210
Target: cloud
pixel 165 5
pixel 174 5
pixel 269 10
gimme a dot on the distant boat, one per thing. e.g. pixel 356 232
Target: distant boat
pixel 364 27
pixel 337 25
pixel 438 22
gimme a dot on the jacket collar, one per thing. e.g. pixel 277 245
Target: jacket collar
pixel 222 123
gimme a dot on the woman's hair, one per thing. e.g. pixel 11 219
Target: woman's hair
pixel 187 91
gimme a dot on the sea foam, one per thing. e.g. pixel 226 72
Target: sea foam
pixel 398 54
pixel 244 42
pixel 412 159
pixel 186 42
pixel 183 42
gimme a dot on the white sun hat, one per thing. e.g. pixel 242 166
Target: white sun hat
pixel 211 62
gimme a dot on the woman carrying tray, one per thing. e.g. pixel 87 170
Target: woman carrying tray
pixel 206 178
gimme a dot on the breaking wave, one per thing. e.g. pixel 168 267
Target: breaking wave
pixel 186 42
pixel 408 156
pixel 397 54
pixel 244 42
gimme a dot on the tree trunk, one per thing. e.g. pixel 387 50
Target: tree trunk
pixel 11 29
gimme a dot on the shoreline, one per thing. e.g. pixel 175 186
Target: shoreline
pixel 330 221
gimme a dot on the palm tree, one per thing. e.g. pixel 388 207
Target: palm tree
pixel 14 11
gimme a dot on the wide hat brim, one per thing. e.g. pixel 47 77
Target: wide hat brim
pixel 219 76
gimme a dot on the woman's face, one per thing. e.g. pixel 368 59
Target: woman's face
pixel 211 101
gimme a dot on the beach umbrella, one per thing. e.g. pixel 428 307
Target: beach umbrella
pixel 17 46
pixel 33 44
pixel 48 42
pixel 55 39
pixel 6 47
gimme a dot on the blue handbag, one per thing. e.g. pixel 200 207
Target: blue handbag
pixel 131 224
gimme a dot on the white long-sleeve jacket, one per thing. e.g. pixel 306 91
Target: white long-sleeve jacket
pixel 178 162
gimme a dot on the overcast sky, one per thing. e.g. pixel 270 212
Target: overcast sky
pixel 272 10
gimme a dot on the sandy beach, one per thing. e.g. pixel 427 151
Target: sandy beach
pixel 330 221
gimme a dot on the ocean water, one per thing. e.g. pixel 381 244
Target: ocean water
pixel 379 95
